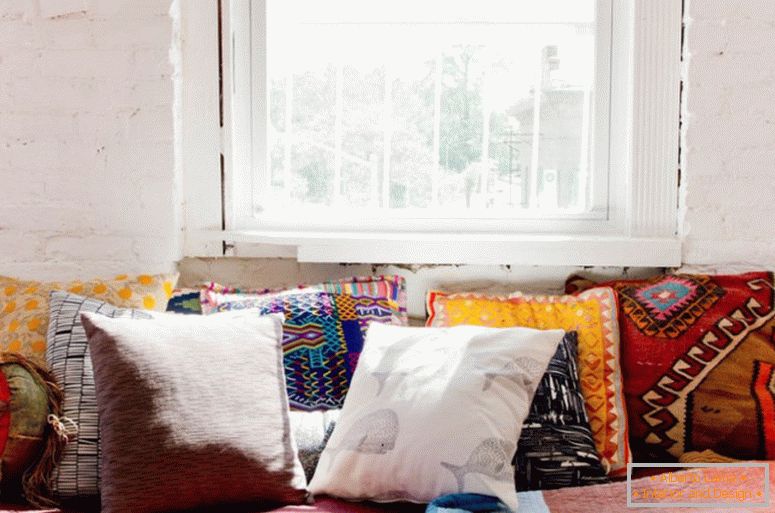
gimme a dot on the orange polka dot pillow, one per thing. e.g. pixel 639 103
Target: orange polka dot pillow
pixel 593 315
pixel 24 304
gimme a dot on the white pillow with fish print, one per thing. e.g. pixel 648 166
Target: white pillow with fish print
pixel 433 411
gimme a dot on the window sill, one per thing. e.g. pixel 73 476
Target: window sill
pixel 450 248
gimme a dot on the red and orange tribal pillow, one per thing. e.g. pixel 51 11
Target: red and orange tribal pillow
pixel 698 359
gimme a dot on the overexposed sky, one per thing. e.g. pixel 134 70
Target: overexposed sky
pixel 308 35
pixel 432 11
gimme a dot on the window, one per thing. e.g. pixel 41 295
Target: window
pixel 350 121
pixel 433 110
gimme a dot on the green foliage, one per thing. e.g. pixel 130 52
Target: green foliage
pixel 461 114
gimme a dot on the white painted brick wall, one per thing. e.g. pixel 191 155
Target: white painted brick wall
pixel 87 163
pixel 728 136
pixel 87 146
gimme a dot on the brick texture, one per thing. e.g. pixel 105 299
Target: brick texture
pixel 87 141
pixel 87 160
pixel 728 133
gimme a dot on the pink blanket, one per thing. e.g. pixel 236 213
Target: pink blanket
pixel 612 498
pixel 608 498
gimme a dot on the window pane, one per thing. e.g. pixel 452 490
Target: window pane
pixel 362 141
pixel 427 108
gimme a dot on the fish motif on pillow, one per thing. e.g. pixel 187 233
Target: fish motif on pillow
pixel 375 433
pixel 492 458
pixel 386 368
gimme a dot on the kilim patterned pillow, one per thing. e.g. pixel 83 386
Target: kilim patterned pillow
pixel 323 336
pixel 556 448
pixel 593 316
pixel 699 363
pixel 68 357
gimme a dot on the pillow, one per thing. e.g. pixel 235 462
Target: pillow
pixel 556 448
pixel 185 301
pixel 384 295
pixel 593 316
pixel 29 444
pixel 24 304
pixel 699 364
pixel 311 431
pixel 434 411
pixel 67 355
pixel 322 337
pixel 193 424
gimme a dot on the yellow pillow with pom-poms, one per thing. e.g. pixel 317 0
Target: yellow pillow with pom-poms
pixel 24 304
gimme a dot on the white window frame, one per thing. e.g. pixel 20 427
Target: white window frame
pixel 638 230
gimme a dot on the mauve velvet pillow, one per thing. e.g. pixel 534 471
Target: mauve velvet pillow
pixel 193 412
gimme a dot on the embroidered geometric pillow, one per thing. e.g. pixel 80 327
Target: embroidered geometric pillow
pixel 556 448
pixel 323 337
pixel 699 364
pixel 593 316
pixel 24 304
pixel 389 292
pixel 185 301
pixel 77 474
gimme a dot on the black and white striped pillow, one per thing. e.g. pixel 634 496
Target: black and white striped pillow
pixel 67 354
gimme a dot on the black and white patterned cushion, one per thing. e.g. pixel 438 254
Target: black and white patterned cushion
pixel 67 355
pixel 556 448
pixel 311 431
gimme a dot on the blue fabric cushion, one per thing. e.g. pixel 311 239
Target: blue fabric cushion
pixel 466 503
